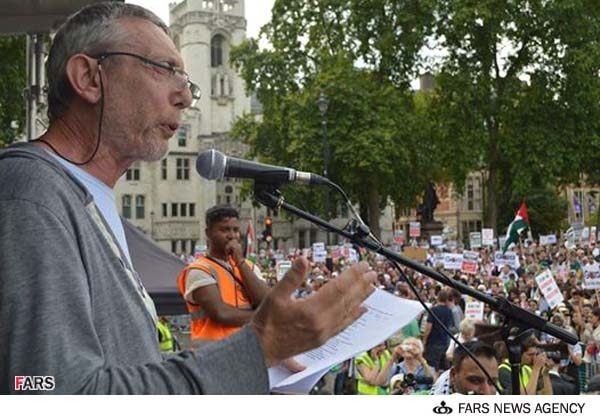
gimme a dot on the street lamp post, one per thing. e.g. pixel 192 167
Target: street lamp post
pixel 323 104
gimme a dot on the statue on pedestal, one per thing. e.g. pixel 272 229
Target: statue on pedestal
pixel 430 202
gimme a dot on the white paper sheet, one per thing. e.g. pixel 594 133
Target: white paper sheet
pixel 386 314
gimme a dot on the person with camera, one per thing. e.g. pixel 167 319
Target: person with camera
pixel 533 373
pixel 372 369
pixel 413 373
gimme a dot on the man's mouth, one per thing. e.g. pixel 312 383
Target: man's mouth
pixel 170 128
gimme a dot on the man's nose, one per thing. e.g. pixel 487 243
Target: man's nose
pixel 487 389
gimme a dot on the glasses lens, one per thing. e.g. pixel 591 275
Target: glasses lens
pixel 196 94
pixel 195 90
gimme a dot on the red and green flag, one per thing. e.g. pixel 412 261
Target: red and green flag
pixel 516 227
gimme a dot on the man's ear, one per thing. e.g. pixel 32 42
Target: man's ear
pixel 452 376
pixel 83 73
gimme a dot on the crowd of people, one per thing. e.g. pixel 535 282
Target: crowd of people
pixel 78 300
pixel 421 358
pixel 75 318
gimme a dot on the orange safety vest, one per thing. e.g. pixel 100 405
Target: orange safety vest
pixel 232 293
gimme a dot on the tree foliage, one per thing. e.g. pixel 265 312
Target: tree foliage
pixel 516 97
pixel 362 55
pixel 518 92
pixel 12 83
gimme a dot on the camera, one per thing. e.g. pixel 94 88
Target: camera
pixel 404 384
pixel 556 351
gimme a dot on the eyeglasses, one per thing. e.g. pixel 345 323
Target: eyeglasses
pixel 173 73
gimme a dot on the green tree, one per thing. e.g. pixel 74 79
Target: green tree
pixel 362 55
pixel 12 83
pixel 517 94
pixel 515 98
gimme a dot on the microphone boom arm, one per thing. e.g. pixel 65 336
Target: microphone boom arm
pixel 268 195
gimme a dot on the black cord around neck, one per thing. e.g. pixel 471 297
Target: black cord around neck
pixel 53 148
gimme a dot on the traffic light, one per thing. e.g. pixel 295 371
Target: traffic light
pixel 268 232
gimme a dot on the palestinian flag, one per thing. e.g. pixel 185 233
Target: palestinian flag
pixel 516 227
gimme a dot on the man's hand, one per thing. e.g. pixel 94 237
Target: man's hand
pixel 287 327
pixel 293 365
pixel 540 361
pixel 234 249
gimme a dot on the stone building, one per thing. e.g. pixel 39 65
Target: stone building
pixel 167 199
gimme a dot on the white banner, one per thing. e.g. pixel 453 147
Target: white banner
pixel 508 258
pixel 282 267
pixel 548 239
pixel 318 246
pixel 470 263
pixel 487 237
pixel 453 261
pixel 475 239
pixel 474 311
pixel 436 240
pixel 591 276
pixel 414 229
pixel 319 256
pixel 549 289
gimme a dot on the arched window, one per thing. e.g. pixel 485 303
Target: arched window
pixel 140 207
pixel 126 206
pixel 216 51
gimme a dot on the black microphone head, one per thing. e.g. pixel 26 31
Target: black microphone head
pixel 211 164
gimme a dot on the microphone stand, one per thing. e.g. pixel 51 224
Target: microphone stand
pixel 517 321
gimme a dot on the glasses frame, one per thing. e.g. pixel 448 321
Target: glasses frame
pixel 193 87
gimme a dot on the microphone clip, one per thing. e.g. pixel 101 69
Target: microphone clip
pixel 269 195
pixel 358 229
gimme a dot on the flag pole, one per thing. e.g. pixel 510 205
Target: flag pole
pixel 582 210
pixel 568 208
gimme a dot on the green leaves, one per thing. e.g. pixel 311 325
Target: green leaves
pixel 520 84
pixel 12 84
pixel 362 56
pixel 516 96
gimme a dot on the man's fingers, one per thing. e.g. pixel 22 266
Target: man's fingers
pixel 349 318
pixel 293 365
pixel 358 285
pixel 293 277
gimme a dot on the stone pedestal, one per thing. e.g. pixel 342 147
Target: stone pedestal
pixel 431 228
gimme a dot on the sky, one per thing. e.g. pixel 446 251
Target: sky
pixel 258 12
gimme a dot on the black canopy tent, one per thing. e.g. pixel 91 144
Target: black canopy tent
pixel 158 270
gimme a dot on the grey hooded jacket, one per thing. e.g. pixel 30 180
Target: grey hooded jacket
pixel 71 308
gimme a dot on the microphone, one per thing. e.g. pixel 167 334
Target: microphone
pixel 214 165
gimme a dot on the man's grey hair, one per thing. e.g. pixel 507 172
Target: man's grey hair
pixel 92 30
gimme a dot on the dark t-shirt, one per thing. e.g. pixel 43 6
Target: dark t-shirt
pixel 437 336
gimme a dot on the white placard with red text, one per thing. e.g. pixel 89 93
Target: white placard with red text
pixel 549 289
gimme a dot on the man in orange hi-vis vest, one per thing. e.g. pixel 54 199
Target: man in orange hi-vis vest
pixel 221 288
